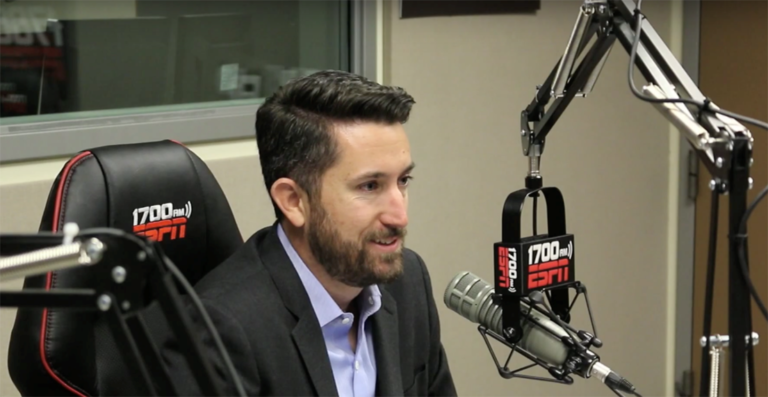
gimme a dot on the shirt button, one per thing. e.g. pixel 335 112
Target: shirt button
pixel 357 365
pixel 345 320
pixel 370 300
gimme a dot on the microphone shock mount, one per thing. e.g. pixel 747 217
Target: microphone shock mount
pixel 532 280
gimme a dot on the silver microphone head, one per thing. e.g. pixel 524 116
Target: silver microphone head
pixel 472 298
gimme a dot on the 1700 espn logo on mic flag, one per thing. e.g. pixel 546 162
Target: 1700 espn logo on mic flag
pixel 534 265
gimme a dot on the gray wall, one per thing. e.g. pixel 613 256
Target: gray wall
pixel 471 76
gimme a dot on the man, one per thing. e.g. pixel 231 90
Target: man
pixel 327 301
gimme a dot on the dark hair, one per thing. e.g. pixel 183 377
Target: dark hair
pixel 294 126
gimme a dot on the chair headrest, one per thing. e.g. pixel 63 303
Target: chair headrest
pixel 160 190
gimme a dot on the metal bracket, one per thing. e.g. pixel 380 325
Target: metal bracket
pixel 693 175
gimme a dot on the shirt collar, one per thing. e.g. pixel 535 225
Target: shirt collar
pixel 323 304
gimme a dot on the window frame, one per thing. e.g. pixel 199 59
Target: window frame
pixel 51 139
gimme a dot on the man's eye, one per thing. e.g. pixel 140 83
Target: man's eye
pixel 370 186
pixel 404 181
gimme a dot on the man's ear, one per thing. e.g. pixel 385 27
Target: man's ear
pixel 291 200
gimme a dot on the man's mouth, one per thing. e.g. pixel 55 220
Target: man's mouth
pixel 386 242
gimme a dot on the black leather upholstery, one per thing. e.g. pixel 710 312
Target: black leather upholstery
pixel 159 189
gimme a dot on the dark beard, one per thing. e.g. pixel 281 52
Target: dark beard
pixel 347 261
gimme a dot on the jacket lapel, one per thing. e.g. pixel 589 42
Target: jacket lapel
pixel 387 347
pixel 307 334
pixel 309 339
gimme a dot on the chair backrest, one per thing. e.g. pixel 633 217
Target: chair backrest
pixel 160 190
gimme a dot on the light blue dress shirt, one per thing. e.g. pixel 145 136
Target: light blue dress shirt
pixel 354 371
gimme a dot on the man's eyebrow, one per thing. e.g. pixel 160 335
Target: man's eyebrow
pixel 380 174
pixel 409 168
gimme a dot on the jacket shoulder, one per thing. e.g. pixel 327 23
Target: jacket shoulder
pixel 243 273
pixel 414 281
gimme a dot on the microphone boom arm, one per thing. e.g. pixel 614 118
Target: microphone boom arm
pixel 710 134
pixel 722 144
pixel 123 274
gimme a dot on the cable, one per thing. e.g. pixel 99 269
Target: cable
pixel 740 239
pixel 42 82
pixel 535 210
pixel 613 381
pixel 192 294
pixel 209 324
pixel 615 392
pixel 709 291
pixel 631 72
pixel 703 106
pixel 742 248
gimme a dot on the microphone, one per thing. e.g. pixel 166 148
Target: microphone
pixel 543 340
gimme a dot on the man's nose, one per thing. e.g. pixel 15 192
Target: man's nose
pixel 396 212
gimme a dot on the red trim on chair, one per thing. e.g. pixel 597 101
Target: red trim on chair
pixel 49 278
pixel 62 183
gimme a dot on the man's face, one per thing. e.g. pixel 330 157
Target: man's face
pixel 356 231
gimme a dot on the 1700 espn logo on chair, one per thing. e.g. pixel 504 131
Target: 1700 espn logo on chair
pixel 162 221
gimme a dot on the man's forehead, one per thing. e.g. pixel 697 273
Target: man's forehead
pixel 369 134
pixel 370 139
pixel 369 148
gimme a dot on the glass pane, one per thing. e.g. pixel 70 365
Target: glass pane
pixel 75 59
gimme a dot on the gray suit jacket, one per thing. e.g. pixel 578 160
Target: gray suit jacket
pixel 268 325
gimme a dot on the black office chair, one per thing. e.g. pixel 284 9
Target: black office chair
pixel 160 190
